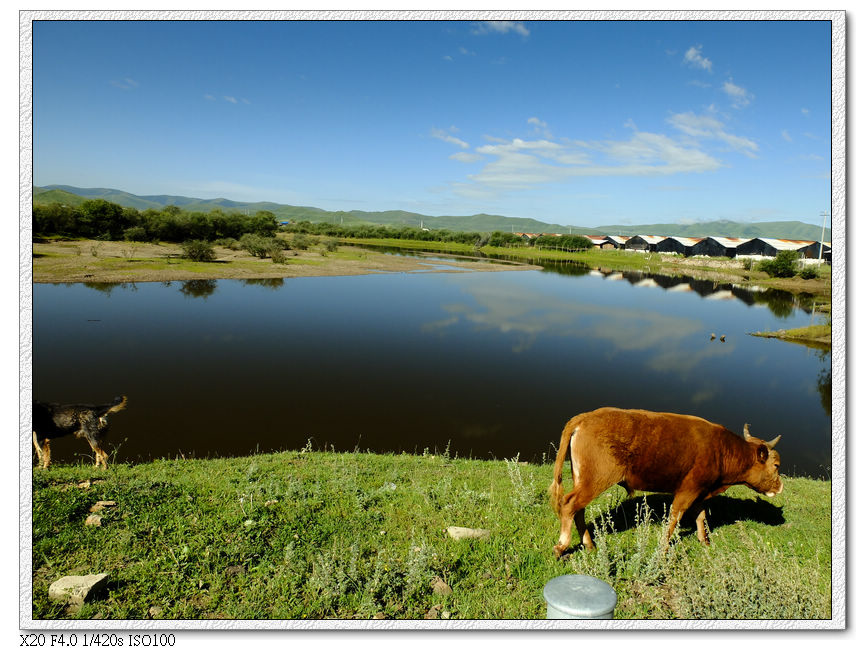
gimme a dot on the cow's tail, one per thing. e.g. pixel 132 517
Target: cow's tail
pixel 555 490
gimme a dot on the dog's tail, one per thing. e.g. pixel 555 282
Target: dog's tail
pixel 118 405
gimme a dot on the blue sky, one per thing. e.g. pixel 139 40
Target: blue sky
pixel 577 123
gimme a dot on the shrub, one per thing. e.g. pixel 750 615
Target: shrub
pixel 256 244
pixel 782 266
pixel 300 241
pixel 331 244
pixel 198 250
pixel 808 273
pixel 135 233
pixel 227 242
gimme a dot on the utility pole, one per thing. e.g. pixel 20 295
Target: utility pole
pixel 823 214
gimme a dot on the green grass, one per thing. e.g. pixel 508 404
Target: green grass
pixel 449 247
pixel 817 335
pixel 312 535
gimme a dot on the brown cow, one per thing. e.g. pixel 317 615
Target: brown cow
pixel 657 452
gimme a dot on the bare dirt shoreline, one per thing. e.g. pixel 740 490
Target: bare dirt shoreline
pixel 110 261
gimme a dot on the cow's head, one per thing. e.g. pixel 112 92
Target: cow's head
pixel 763 475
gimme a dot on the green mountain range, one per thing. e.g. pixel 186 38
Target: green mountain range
pixel 476 223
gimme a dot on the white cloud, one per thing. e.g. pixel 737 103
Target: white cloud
pixel 786 136
pixel 705 126
pixel 501 27
pixel 806 112
pixel 466 157
pixel 738 95
pixel 539 127
pixel 125 83
pixel 443 135
pixel 210 97
pixel 695 58
pixel 518 164
pixel 230 99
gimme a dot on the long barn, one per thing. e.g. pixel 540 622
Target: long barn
pixel 766 247
pixel 718 246
pixel 643 243
pixel 679 245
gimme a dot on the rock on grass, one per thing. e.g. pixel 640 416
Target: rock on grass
pixel 75 590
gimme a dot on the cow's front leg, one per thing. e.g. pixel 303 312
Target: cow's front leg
pixel 681 502
pixel 573 511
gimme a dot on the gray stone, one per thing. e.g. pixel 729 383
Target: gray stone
pixel 458 532
pixel 76 590
pixel 440 587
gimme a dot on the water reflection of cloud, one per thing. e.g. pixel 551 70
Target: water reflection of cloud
pixel 705 395
pixel 674 359
pixel 515 311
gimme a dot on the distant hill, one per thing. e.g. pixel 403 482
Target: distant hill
pixel 43 195
pixel 477 222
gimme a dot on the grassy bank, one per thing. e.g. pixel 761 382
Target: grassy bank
pixel 814 335
pixel 300 535
pixel 721 269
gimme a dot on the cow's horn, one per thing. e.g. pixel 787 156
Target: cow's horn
pixel 771 444
pixel 747 431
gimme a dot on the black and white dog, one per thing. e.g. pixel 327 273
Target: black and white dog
pixel 86 421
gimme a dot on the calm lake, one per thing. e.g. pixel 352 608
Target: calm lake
pixel 487 365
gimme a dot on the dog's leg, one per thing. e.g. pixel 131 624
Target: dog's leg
pixel 98 452
pixel 38 448
pixel 46 453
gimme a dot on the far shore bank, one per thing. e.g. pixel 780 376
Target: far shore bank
pixel 117 261
pixel 114 261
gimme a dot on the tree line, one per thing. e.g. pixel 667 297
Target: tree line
pixel 101 219
pixel 477 239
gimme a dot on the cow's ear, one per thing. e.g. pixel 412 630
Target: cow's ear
pixel 762 453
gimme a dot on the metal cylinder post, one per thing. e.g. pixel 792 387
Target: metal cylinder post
pixel 579 596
